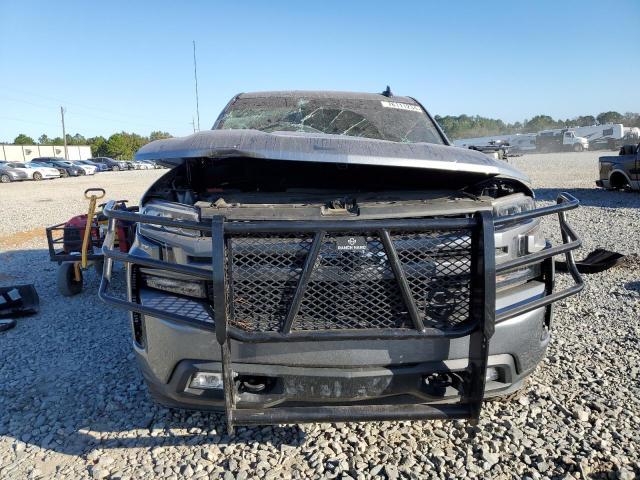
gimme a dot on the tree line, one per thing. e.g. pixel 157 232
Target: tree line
pixel 466 126
pixel 123 145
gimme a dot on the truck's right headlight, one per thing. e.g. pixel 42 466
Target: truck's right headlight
pixel 512 204
pixel 173 211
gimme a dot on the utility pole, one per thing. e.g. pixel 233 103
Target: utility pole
pixel 64 134
pixel 195 76
pixel 193 124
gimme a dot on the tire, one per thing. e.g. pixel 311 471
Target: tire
pixel 5 178
pixel 65 174
pixel 67 285
pixel 37 176
pixel 7 324
pixel 115 168
pixel 578 147
pixel 81 173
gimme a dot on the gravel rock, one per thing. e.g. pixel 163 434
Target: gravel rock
pixel 73 404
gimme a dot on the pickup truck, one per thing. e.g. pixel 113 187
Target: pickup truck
pixel 329 257
pixel 621 172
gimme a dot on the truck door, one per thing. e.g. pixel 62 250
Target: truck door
pixel 567 138
pixel 634 168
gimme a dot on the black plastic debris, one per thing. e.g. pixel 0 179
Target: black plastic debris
pixel 19 300
pixel 7 324
pixel 597 261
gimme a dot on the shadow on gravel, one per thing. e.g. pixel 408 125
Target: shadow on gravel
pixel 593 197
pixel 69 382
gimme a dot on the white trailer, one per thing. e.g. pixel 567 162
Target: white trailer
pixel 518 142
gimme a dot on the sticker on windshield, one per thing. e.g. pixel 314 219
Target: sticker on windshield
pixel 400 106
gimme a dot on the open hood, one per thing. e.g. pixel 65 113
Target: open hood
pixel 311 147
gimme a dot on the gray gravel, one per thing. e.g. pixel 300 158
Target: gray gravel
pixel 72 403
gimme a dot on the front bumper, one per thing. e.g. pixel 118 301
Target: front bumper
pixel 314 373
pixel 163 329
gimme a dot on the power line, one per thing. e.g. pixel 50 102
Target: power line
pixel 13 119
pixel 83 114
pixel 57 101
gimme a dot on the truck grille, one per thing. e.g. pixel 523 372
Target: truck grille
pixel 348 289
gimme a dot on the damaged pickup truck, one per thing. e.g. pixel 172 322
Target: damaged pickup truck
pixel 328 256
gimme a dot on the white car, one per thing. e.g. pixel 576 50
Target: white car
pixel 142 165
pixel 35 172
pixel 88 169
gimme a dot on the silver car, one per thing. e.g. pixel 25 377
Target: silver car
pixel 329 256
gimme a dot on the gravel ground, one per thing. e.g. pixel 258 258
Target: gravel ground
pixel 72 403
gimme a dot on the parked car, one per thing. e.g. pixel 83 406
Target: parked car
pixel 100 167
pixel 346 260
pixel 114 165
pixel 138 165
pixel 152 164
pixel 66 169
pixel 36 172
pixel 621 172
pixel 8 174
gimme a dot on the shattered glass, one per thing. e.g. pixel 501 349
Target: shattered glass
pixel 334 116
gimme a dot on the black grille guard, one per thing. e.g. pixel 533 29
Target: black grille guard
pixel 482 311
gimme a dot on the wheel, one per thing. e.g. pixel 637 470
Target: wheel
pixel 115 168
pixel 578 147
pixel 5 178
pixel 64 173
pixel 67 284
pixel 37 176
pixel 7 324
pixel 81 173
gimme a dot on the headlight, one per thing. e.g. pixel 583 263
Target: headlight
pixel 517 240
pixel 512 204
pixel 174 211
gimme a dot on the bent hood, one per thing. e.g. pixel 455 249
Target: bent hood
pixel 311 147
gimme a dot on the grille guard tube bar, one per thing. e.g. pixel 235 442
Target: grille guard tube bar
pixel 482 311
pixel 571 241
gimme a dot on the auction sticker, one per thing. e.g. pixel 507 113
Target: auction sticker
pixel 400 106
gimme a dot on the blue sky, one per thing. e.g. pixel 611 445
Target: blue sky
pixel 128 65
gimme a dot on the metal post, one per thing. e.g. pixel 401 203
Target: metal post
pixel 64 134
pixel 195 75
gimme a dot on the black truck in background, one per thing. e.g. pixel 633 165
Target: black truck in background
pixel 622 171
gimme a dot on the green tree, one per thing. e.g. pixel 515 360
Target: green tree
pixel 76 139
pixel 23 139
pixel 631 119
pixel 609 117
pixel 158 135
pixel 123 145
pixel 584 121
pixel 98 146
pixel 541 122
pixel 44 139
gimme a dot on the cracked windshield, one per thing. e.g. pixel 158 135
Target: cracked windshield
pixel 393 120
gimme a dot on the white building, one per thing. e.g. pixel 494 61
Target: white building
pixel 26 153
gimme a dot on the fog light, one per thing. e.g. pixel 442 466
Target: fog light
pixel 207 380
pixel 492 374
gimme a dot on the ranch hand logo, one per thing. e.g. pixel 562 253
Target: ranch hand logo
pixel 351 244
